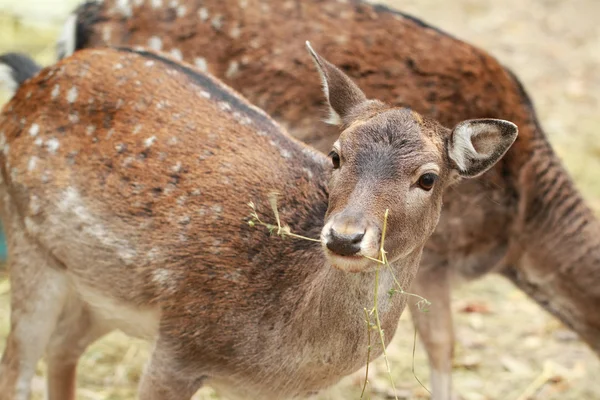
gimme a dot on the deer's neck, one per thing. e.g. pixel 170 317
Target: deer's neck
pixel 559 239
pixel 335 309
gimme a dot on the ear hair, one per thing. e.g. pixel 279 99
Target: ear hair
pixel 341 92
pixel 477 144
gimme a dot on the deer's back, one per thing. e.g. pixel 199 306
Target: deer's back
pixel 255 47
pixel 134 174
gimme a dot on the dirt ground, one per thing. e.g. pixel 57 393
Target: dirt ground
pixel 508 347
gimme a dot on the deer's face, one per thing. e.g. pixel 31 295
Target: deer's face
pixel 390 161
pixel 396 160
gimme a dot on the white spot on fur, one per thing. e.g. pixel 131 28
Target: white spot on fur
pixel 120 147
pixel 224 106
pixel 232 70
pixel 34 205
pixel 118 66
pixel 156 4
pixel 216 246
pixel 177 167
pixel 6 150
pixel 204 94
pixel 74 118
pixel 200 62
pixel 176 53
pixel 181 200
pixel 38 142
pixel 153 254
pixel 34 130
pixel 235 32
pixel 32 163
pixel 128 161
pixel 149 63
pixel 72 95
pixel 55 91
pixel 106 33
pixel 203 14
pixel 124 7
pixel 308 173
pixel 162 277
pixel 243 3
pixel 90 129
pixel 149 141
pixel 181 11
pixel 217 22
pixel 137 129
pixel 71 203
pixel 52 145
pixel 285 153
pixel 196 192
pixel 155 43
pixel 217 209
pixel 255 43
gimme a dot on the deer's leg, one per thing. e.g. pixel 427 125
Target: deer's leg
pixel 435 328
pixel 75 331
pixel 38 292
pixel 166 378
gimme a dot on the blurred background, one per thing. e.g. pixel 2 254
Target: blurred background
pixel 506 346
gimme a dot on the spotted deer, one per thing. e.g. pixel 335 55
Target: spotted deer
pixel 524 218
pixel 125 182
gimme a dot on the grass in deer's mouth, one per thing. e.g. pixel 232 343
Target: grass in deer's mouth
pixel 382 261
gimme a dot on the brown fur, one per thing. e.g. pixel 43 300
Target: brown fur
pixel 524 218
pixel 125 183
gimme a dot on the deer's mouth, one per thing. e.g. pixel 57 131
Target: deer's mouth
pixel 351 263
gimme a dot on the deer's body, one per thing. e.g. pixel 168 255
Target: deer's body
pixel 125 183
pixel 524 218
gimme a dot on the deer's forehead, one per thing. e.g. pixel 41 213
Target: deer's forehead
pixel 398 130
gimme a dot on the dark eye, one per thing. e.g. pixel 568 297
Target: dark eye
pixel 335 159
pixel 426 181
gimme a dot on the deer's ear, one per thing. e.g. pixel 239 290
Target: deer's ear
pixel 341 93
pixel 477 144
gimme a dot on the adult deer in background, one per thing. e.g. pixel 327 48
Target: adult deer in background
pixel 125 183
pixel 524 218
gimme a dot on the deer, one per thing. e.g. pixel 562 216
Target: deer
pixel 126 176
pixel 524 219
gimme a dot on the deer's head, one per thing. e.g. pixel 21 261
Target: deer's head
pixel 395 159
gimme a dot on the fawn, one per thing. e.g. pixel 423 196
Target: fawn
pixel 125 182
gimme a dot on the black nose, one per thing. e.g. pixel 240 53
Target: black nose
pixel 344 244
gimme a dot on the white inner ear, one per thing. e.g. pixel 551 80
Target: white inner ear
pixel 462 148
pixel 333 118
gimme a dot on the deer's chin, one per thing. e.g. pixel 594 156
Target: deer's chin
pixel 351 264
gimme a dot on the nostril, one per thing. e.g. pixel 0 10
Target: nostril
pixel 344 244
pixel 357 237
